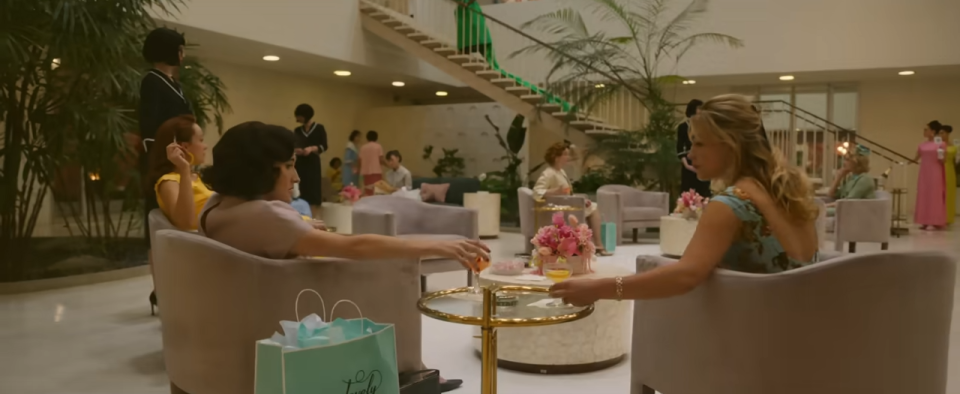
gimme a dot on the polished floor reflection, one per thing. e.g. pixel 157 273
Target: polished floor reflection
pixel 101 339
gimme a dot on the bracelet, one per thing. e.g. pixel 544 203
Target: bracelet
pixel 619 283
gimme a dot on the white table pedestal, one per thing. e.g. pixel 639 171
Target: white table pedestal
pixel 675 234
pixel 339 216
pixel 488 209
pixel 596 342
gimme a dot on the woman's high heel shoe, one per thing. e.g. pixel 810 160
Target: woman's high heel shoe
pixel 153 303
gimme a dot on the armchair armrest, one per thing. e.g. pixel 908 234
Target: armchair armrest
pixel 369 221
pixel 578 201
pixel 643 198
pixel 440 219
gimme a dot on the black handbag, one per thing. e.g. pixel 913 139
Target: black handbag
pixel 420 382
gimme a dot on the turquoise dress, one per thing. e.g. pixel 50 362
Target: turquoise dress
pixel 755 249
pixel 350 157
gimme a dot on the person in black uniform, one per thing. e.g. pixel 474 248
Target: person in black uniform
pixel 160 100
pixel 688 175
pixel 311 142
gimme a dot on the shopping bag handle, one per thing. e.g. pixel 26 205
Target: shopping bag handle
pixel 323 306
pixel 355 306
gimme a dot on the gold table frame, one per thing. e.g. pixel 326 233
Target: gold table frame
pixel 489 324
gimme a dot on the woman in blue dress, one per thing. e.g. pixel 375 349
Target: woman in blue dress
pixel 762 222
pixel 350 156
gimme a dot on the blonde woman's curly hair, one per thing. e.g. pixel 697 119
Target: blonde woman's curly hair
pixel 739 126
pixel 861 162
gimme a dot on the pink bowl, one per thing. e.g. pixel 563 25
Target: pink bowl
pixel 510 267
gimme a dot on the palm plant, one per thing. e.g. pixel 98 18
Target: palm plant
pixel 69 82
pixel 627 56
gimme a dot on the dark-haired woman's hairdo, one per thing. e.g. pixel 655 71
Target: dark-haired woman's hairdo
pixel 162 45
pixel 935 125
pixel 947 128
pixel 245 160
pixel 372 136
pixel 692 107
pixel 304 110
pixel 354 134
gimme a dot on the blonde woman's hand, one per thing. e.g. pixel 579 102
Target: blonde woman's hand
pixel 465 251
pixel 178 157
pixel 576 292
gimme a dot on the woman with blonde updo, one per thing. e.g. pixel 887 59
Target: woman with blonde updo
pixel 761 222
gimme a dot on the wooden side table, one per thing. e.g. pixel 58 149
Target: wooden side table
pixel 488 209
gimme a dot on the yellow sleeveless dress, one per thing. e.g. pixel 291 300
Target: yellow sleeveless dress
pixel 949 165
pixel 200 192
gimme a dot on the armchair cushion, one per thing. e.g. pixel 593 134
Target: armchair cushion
pixel 434 193
pixel 633 214
pixel 458 187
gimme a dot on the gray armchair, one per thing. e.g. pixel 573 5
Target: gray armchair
pixel 217 301
pixel 530 219
pixel 866 220
pixel 409 219
pixel 872 323
pixel 631 208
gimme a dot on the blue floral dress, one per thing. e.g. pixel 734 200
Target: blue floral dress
pixel 755 249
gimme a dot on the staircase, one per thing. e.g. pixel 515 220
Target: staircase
pixel 457 40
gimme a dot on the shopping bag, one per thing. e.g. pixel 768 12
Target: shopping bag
pixel 354 356
pixel 608 235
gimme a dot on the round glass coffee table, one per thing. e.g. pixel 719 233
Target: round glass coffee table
pixel 458 306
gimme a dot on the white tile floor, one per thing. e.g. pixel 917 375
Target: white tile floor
pixel 100 339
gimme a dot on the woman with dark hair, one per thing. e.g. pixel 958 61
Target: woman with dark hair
pixel 351 158
pixel 931 210
pixel 553 181
pixel 179 200
pixel 311 142
pixel 688 174
pixel 950 159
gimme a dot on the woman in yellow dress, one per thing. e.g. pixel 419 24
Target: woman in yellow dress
pixel 950 161
pixel 180 202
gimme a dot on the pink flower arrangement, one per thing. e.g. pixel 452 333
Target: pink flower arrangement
pixel 690 204
pixel 350 193
pixel 562 240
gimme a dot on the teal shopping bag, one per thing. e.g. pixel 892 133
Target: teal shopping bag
pixel 608 234
pixel 356 356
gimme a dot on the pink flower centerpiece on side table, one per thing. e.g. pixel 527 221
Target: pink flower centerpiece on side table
pixel 350 194
pixel 573 242
pixel 690 205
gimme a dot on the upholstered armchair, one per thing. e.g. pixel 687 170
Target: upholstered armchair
pixel 870 323
pixel 631 208
pixel 409 219
pixel 866 220
pixel 217 301
pixel 531 220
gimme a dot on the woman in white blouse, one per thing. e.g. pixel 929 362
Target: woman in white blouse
pixel 554 182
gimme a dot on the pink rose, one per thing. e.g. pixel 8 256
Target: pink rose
pixel 545 252
pixel 558 219
pixel 568 247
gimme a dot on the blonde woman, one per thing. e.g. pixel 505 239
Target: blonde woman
pixel 762 222
pixel 852 181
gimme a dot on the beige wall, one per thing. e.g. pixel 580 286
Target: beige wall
pixel 269 97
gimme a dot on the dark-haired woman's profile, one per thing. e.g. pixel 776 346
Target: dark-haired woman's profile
pixel 688 174
pixel 311 142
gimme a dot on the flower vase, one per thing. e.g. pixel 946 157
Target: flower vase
pixel 690 214
pixel 581 265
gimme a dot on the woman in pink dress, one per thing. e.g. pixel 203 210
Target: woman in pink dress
pixel 931 210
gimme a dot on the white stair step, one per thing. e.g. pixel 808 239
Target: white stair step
pixel 446 51
pixel 578 116
pixel 367 9
pixel 587 125
pixel 406 29
pixel 504 82
pixel 601 132
pixel 518 90
pixel 489 74
pixel 392 22
pixel 531 98
pixel 379 15
pixel 549 107
pixel 465 58
pixel 431 44
pixel 475 66
pixel 418 36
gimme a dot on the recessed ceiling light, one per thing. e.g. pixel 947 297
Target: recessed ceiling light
pixel 907 72
pixel 399 84
pixel 689 82
pixel 600 86
pixel 786 77
pixel 271 58
pixel 342 73
pixel 442 93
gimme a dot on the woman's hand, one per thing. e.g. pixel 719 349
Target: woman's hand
pixel 465 251
pixel 577 292
pixel 178 157
pixel 309 150
pixel 299 151
pixel 318 224
pixel 566 190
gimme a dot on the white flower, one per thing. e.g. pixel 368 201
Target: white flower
pixel 481 177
